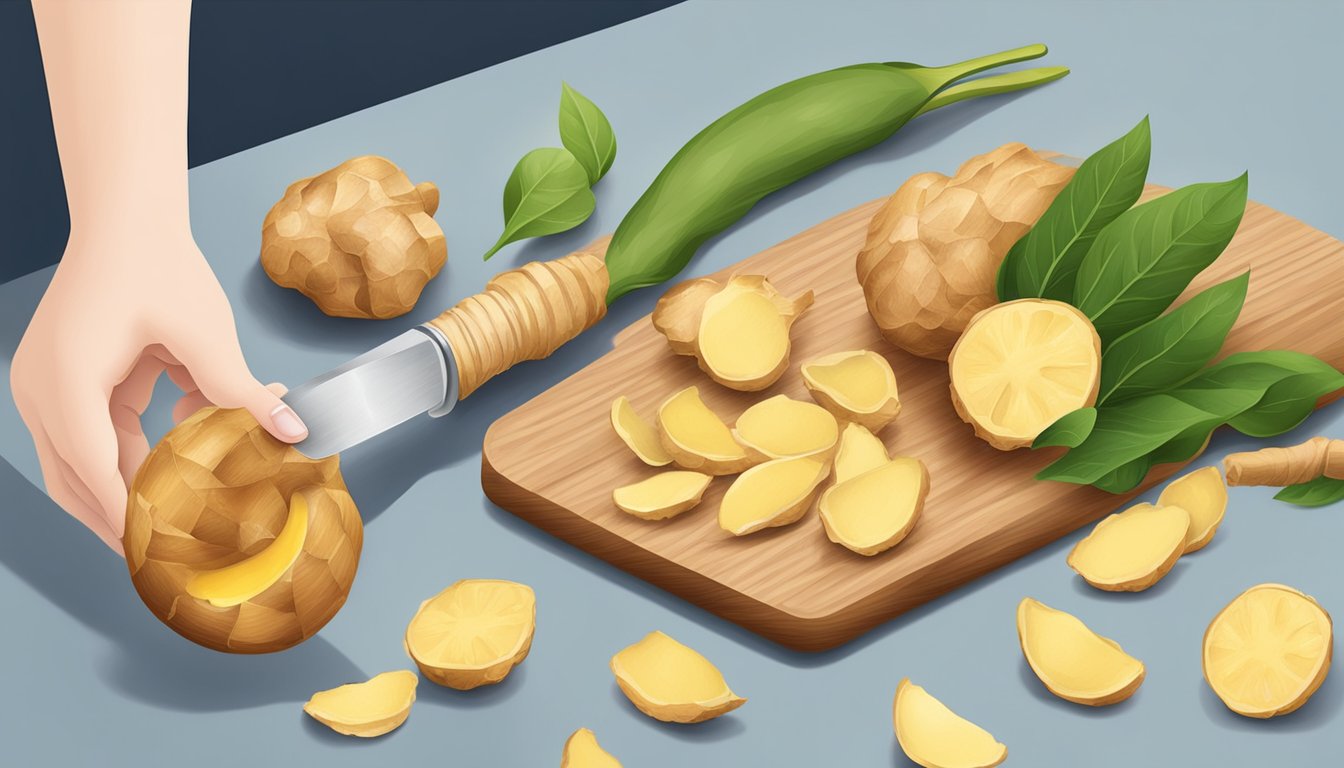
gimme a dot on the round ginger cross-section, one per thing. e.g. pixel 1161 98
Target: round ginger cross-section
pixel 1022 365
pixel 473 633
pixel 236 540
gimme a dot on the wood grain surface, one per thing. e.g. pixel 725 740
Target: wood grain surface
pixel 984 509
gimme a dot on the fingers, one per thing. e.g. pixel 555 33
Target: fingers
pixel 83 437
pixel 223 378
pixel 127 404
pixel 188 404
pixel 61 492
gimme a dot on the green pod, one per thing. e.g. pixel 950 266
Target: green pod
pixel 780 137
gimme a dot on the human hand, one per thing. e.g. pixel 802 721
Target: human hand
pixel 118 313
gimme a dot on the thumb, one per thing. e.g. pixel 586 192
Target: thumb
pixel 223 378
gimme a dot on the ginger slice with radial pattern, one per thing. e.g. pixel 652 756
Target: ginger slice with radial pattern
pixel 781 427
pixel 859 451
pixel 876 510
pixel 1132 550
pixel 666 494
pixel 638 435
pixel 671 682
pixel 583 751
pixel 1203 495
pixel 367 709
pixel 473 633
pixel 857 386
pixel 934 736
pixel 1073 662
pixel 772 494
pixel 696 438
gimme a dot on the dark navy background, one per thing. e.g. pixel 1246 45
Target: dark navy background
pixel 261 69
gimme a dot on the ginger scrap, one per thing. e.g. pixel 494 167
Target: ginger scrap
pixel 934 736
pixel 772 494
pixel 583 751
pixel 696 438
pixel 671 682
pixel 666 494
pixel 1132 550
pixel 781 427
pixel 857 386
pixel 367 709
pixel 1075 663
pixel 1203 496
pixel 876 510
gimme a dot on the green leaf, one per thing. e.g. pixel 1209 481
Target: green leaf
pixel 1170 348
pixel 586 133
pixel 1143 260
pixel 1286 404
pixel 1124 433
pixel 1044 262
pixel 1313 493
pixel 1069 431
pixel 546 193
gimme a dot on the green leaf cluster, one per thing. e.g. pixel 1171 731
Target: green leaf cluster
pixel 1124 265
pixel 550 189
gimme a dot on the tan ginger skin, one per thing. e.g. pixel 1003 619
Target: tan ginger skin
pixel 934 249
pixel 1317 457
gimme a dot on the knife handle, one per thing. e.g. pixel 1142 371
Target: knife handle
pixel 525 314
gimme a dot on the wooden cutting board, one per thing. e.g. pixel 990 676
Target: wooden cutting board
pixel 984 508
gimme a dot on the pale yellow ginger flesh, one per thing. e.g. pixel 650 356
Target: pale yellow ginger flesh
pixel 874 511
pixel 473 633
pixel 697 438
pixel 772 494
pixel 366 709
pixel 664 495
pixel 1203 495
pixel 1268 651
pixel 859 451
pixel 781 427
pixel 1132 550
pixel 1075 663
pixel 934 736
pixel 638 435
pixel 671 682
pixel 237 583
pixel 1020 366
pixel 857 386
pixel 743 338
pixel 583 751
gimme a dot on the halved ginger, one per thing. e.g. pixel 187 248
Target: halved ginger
pixel 583 751
pixel 473 633
pixel 772 494
pixel 874 511
pixel 664 495
pixel 857 386
pixel 1075 663
pixel 1020 366
pixel 237 583
pixel 1203 495
pixel 670 682
pixel 781 427
pixel 1268 651
pixel 696 438
pixel 934 736
pixel 859 451
pixel 366 709
pixel 738 331
pixel 1132 550
pixel 638 435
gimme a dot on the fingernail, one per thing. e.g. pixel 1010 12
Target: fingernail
pixel 287 423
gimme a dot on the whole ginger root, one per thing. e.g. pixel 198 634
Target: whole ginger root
pixel 359 240
pixel 934 249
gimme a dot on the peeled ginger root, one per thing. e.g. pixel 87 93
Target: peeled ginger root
pixel 934 736
pixel 473 633
pixel 933 250
pixel 1075 663
pixel 638 435
pixel 780 428
pixel 857 386
pixel 664 495
pixel 874 511
pixel 1203 496
pixel 738 331
pixel 583 751
pixel 696 438
pixel 670 682
pixel 1132 550
pixel 772 494
pixel 1020 366
pixel 366 709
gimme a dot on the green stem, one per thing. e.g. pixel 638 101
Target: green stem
pixel 987 86
pixel 954 72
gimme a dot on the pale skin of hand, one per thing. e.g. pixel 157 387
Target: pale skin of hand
pixel 133 296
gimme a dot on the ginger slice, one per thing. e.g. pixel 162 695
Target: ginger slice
pixel 781 427
pixel 772 494
pixel 859 451
pixel 934 736
pixel 671 682
pixel 367 709
pixel 1132 550
pixel 237 583
pixel 1020 366
pixel 583 751
pixel 1075 663
pixel 473 633
pixel 857 386
pixel 697 438
pixel 677 313
pixel 638 435
pixel 1203 496
pixel 874 511
pixel 1268 651
pixel 664 495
